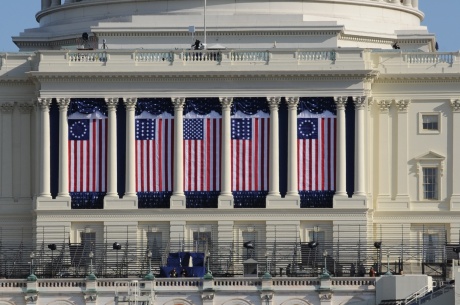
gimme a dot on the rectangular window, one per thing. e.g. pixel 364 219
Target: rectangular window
pixel 155 244
pixel 430 183
pixel 430 122
pixel 88 239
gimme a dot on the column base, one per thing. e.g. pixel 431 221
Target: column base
pixel 401 203
pixel 455 203
pixel 49 204
pixel 225 202
pixel 177 202
pixel 115 203
pixel 343 202
pixel 288 202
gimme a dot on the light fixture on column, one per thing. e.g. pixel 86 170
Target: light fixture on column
pixel 116 246
pixel 52 247
pixel 149 276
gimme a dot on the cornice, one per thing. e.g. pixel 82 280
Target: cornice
pixel 316 76
pixel 418 79
pixel 211 214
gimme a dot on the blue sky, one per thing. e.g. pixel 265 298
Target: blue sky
pixel 441 17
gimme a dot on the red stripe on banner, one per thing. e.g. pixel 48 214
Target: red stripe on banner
pixel 171 163
pixel 162 131
pixel 238 177
pixel 323 155
pixel 252 161
pixel 207 156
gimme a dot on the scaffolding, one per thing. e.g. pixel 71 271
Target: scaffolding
pixel 346 250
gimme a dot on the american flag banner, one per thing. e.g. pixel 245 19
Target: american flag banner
pixel 316 136
pixel 250 147
pixel 87 153
pixel 202 150
pixel 154 153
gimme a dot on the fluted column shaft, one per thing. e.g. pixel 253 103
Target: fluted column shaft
pixel 226 153
pixel 178 187
pixel 455 104
pixel 274 169
pixel 63 148
pixel 292 187
pixel 130 104
pixel 360 175
pixel 415 4
pixel 341 161
pixel 45 162
pixel 402 157
pixel 384 152
pixel 112 147
pixel 55 2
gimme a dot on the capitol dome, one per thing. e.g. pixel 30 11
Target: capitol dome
pixel 166 24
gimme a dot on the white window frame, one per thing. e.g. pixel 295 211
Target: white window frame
pixel 430 160
pixel 421 130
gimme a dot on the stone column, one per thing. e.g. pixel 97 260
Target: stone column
pixel 360 125
pixel 55 3
pixel 408 2
pixel 384 151
pixel 130 104
pixel 7 137
pixel 45 162
pixel 178 196
pixel 274 170
pixel 46 4
pixel 455 187
pixel 63 148
pixel 402 156
pixel 226 196
pixel 341 179
pixel 112 147
pixel 293 186
pixel 415 4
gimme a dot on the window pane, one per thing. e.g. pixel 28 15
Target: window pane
pixel 430 183
pixel 430 122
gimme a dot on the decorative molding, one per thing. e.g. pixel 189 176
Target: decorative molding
pixel 25 107
pixel 341 102
pixel 360 102
pixel 130 103
pixel 178 102
pixel 273 103
pixel 455 104
pixel 44 103
pixel 292 102
pixel 111 102
pixel 63 103
pixel 226 102
pixel 402 105
pixel 7 108
pixel 384 105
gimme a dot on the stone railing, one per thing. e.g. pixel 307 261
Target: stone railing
pixel 393 62
pixel 430 58
pixel 153 56
pixel 316 55
pixel 87 56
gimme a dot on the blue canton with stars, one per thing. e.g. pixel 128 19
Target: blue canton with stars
pixel 307 129
pixel 193 129
pixel 241 129
pixel 145 129
pixel 78 130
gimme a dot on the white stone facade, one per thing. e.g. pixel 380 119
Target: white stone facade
pixel 400 152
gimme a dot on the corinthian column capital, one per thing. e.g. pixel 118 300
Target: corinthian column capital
pixel 292 102
pixel 63 103
pixel 44 103
pixel 455 104
pixel 130 103
pixel 384 105
pixel 360 102
pixel 273 103
pixel 402 105
pixel 111 102
pixel 226 102
pixel 340 102
pixel 178 102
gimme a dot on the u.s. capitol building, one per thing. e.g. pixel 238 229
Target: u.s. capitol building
pixel 229 152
